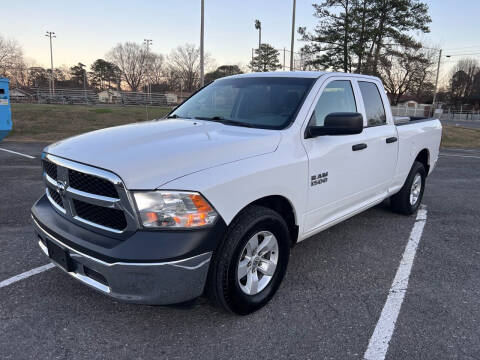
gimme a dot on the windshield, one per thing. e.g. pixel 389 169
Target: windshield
pixel 264 102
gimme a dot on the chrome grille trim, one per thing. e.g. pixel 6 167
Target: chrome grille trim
pixel 68 194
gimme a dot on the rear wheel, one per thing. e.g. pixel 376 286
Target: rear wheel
pixel 249 266
pixel 408 199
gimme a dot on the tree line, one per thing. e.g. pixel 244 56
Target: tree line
pixel 127 66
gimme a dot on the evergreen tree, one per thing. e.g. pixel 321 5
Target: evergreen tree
pixel 266 59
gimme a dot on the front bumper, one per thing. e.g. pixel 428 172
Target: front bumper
pixel 145 281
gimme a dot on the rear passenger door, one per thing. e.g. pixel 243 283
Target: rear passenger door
pixel 380 136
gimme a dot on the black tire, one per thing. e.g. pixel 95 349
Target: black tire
pixel 222 286
pixel 400 202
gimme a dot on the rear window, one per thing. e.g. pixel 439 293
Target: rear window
pixel 373 104
pixel 264 102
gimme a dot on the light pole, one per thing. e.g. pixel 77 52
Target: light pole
pixel 293 37
pixel 51 35
pixel 436 79
pixel 84 81
pixel 202 58
pixel 147 43
pixel 258 26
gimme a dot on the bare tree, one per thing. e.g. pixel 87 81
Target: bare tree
pixel 131 59
pixel 406 70
pixel 183 64
pixel 156 68
pixel 462 79
pixel 11 60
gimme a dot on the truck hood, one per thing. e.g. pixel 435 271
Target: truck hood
pixel 148 154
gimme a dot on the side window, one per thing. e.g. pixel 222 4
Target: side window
pixel 373 104
pixel 336 97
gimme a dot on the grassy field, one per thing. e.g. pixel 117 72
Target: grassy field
pixel 38 122
pixel 460 137
pixel 34 122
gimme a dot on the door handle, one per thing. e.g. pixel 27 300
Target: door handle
pixel 359 147
pixel 391 140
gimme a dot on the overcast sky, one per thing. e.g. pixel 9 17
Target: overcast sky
pixel 87 30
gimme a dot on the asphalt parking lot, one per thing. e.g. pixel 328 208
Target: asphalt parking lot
pixel 327 308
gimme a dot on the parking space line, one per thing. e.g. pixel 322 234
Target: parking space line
pixel 462 156
pixel 378 345
pixel 17 153
pixel 26 274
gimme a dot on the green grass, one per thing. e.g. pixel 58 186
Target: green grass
pixel 35 122
pixel 39 122
pixel 460 137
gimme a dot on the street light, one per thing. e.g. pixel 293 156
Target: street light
pixel 202 58
pixel 258 26
pixel 293 35
pixel 51 34
pixel 147 43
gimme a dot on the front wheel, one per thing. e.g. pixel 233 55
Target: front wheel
pixel 408 199
pixel 249 266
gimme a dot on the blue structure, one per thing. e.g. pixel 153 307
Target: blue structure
pixel 5 110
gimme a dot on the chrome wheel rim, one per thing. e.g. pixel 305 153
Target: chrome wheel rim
pixel 416 189
pixel 257 263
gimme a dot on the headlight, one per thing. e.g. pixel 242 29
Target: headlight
pixel 173 209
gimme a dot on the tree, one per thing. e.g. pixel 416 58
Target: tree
pixel 183 64
pixel 464 80
pixel 131 59
pixel 332 35
pixel 221 71
pixel 353 35
pixel 105 75
pixel 11 55
pixel 265 59
pixel 77 75
pixel 407 70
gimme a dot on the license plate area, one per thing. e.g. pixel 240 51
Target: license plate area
pixel 60 256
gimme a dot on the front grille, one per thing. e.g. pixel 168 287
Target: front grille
pixel 111 218
pixel 91 184
pixel 88 196
pixel 50 169
pixel 56 197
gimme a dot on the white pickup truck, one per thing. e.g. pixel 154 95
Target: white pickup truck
pixel 211 199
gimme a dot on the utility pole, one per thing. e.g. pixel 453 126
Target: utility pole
pixel 258 26
pixel 84 81
pixel 147 43
pixel 51 35
pixel 284 59
pixel 436 79
pixel 202 58
pixel 293 37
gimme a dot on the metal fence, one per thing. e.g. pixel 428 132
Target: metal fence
pixel 91 97
pixel 448 113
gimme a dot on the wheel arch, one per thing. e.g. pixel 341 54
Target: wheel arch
pixel 424 157
pixel 284 207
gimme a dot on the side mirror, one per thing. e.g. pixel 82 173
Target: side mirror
pixel 338 124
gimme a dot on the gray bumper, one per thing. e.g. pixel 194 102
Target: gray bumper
pixel 146 283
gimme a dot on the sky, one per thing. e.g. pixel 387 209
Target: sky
pixel 87 30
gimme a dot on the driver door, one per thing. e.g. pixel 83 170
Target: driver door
pixel 337 172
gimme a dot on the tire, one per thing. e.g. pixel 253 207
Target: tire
pixel 401 202
pixel 223 286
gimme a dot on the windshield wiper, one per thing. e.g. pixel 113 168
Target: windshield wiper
pixel 175 116
pixel 222 120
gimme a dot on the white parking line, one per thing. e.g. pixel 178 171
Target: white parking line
pixel 378 345
pixel 17 153
pixel 26 274
pixel 462 156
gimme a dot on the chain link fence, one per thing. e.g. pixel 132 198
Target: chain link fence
pixel 91 97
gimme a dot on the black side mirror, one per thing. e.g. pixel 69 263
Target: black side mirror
pixel 338 124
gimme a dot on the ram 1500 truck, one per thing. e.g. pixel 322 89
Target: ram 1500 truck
pixel 211 199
